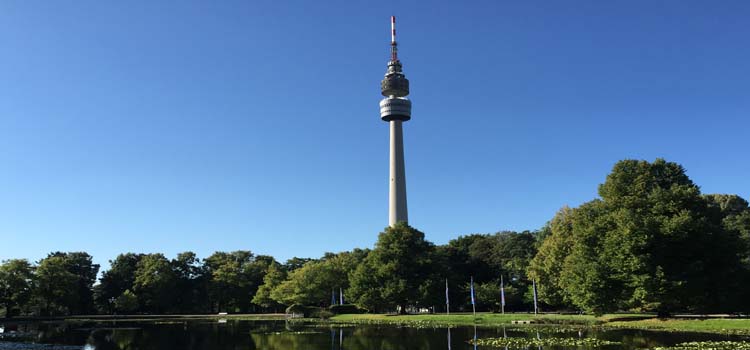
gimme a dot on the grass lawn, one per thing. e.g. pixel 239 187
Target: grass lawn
pixel 632 321
pixel 713 325
pixel 466 319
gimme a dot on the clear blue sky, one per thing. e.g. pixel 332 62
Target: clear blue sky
pixel 165 126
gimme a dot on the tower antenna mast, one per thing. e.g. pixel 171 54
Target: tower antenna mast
pixel 394 46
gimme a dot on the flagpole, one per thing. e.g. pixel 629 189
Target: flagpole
pixel 535 304
pixel 447 301
pixel 502 295
pixel 473 303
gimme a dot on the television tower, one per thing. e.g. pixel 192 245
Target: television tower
pixel 395 108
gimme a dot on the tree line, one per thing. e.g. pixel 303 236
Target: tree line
pixel 650 242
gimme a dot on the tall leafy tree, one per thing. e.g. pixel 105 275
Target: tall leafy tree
pixel 155 283
pixel 295 263
pixel 313 283
pixel 735 217
pixel 588 277
pixel 81 265
pixel 57 288
pixel 651 243
pixel 233 278
pixel 485 257
pixel 126 303
pixel 397 272
pixel 16 283
pixel 190 295
pixel 275 275
pixel 547 265
pixel 114 282
pixel 309 285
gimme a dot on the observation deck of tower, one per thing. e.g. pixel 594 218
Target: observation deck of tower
pixel 395 109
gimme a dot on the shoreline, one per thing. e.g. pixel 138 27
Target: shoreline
pixel 105 318
pixel 719 324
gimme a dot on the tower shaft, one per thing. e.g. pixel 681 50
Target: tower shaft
pixel 397 187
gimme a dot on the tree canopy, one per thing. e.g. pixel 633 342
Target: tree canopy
pixel 397 272
pixel 651 241
pixel 16 284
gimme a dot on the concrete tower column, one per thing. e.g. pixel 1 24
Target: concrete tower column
pixel 397 191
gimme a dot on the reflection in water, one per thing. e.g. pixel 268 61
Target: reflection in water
pixel 538 337
pixel 475 337
pixel 282 335
pixel 449 338
pixel 505 335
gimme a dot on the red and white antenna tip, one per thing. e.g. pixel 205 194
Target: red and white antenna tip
pixel 393 29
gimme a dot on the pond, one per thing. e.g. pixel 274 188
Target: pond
pixel 273 335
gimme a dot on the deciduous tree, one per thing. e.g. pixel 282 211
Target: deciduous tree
pixel 396 271
pixel 16 284
pixel 155 283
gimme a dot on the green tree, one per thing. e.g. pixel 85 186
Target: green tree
pixel 190 295
pixel 396 272
pixel 57 288
pixel 735 217
pixel 651 243
pixel 587 278
pixel 468 256
pixel 275 275
pixel 126 303
pixel 313 283
pixel 309 285
pixel 115 281
pixel 547 265
pixel 227 278
pixel 295 263
pixel 486 296
pixel 155 283
pixel 486 257
pixel 233 279
pixel 81 265
pixel 16 283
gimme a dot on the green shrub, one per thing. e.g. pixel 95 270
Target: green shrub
pixel 314 311
pixel 346 309
pixel 309 311
pixel 297 309
pixel 323 314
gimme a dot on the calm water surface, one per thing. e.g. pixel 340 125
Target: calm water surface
pixel 273 335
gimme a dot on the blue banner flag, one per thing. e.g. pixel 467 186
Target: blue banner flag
pixel 472 290
pixel 333 297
